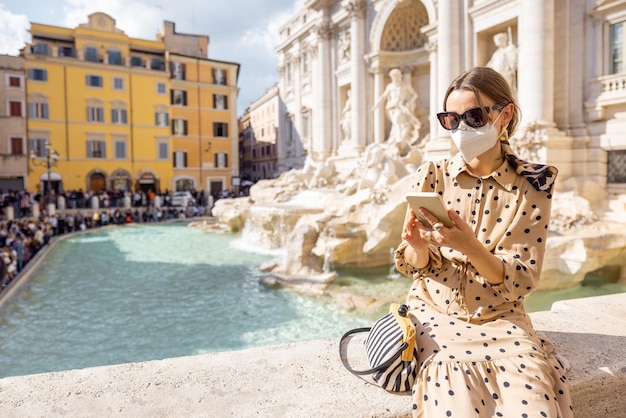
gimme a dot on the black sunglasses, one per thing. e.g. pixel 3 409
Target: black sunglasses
pixel 474 118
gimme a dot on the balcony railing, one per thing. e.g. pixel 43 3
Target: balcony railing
pixel 605 91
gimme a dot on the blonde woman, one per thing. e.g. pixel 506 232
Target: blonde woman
pixel 479 353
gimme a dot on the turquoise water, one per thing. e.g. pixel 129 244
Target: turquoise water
pixel 139 293
pixel 151 292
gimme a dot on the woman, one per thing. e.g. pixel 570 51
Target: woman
pixel 479 354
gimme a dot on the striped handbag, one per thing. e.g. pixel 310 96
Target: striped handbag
pixel 391 350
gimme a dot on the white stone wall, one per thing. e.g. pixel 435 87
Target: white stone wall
pixel 573 109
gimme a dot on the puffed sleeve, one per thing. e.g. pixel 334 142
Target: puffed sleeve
pixel 435 261
pixel 522 247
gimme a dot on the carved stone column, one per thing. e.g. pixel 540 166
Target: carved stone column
pixel 323 115
pixel 357 10
pixel 448 67
pixel 538 139
pixel 379 112
pixel 535 70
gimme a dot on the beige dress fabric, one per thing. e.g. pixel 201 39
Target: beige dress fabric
pixel 479 355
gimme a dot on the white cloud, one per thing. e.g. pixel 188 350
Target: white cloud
pixel 240 31
pixel 13 31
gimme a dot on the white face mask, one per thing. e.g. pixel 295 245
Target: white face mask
pixel 472 142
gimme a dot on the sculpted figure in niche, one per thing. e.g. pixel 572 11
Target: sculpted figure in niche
pixel 504 59
pixel 344 46
pixel 400 98
pixel 346 117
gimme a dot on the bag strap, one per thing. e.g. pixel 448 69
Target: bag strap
pixel 380 367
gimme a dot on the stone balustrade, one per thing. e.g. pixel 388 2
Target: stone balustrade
pixel 307 379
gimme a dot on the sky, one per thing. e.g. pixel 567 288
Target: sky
pixel 240 31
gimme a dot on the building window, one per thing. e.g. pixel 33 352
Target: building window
pixel 114 57
pixel 221 160
pixel 93 80
pixel 306 125
pixel 162 119
pixel 305 63
pixel 161 88
pixel 15 108
pixel 119 116
pixel 220 129
pixel 220 101
pixel 163 150
pixel 288 72
pixel 179 127
pixel 180 159
pixel 41 49
pixel 91 54
pixel 38 74
pixel 157 64
pixel 67 52
pixel 118 83
pixel 178 70
pixel 136 61
pixel 38 147
pixel 120 149
pixel 616 170
pixel 617 48
pixel 179 97
pixel 96 148
pixel 38 110
pixel 95 114
pixel 289 130
pixel 14 81
pixel 17 146
pixel 219 76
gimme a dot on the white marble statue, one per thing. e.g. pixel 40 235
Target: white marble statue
pixel 504 59
pixel 400 99
pixel 346 117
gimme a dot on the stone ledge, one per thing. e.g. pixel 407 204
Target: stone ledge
pixel 307 379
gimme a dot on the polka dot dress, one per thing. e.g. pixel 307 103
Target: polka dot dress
pixel 479 355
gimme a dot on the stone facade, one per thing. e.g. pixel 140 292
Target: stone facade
pixel 13 109
pixel 570 78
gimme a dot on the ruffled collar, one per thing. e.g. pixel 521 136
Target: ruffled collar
pixel 541 176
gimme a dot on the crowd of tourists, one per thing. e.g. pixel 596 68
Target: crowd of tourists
pixel 30 227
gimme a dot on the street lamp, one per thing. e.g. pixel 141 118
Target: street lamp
pixel 49 160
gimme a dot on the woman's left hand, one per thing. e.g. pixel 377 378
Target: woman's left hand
pixel 459 236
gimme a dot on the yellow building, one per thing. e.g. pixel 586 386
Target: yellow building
pixel 106 104
pixel 203 115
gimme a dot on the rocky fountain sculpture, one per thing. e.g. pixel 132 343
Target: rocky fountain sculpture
pixel 334 214
pixel 347 211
